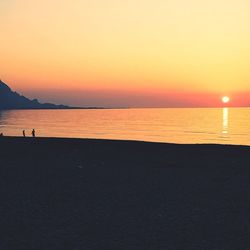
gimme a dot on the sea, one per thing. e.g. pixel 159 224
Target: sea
pixel 171 125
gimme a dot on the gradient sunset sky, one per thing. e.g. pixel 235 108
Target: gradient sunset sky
pixel 138 53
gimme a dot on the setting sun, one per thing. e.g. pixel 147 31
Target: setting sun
pixel 225 99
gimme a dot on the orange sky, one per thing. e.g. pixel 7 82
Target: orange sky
pixel 127 53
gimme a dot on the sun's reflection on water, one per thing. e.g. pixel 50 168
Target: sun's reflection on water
pixel 225 120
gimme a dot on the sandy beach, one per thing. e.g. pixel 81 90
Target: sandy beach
pixel 103 194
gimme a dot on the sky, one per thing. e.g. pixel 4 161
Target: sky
pixel 134 53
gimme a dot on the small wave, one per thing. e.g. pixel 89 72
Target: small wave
pixel 199 132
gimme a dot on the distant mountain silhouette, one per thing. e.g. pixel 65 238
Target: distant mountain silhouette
pixel 12 100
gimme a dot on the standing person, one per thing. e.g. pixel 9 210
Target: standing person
pixel 33 133
pixel 24 135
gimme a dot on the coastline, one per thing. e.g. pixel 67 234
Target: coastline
pixel 62 193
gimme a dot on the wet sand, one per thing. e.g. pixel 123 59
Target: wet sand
pixel 101 194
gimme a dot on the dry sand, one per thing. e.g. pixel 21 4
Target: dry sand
pixel 100 194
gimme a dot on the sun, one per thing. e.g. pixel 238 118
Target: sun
pixel 225 99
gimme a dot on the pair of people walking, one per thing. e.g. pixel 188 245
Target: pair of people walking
pixel 33 133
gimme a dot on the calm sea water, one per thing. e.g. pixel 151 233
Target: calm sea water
pixel 216 125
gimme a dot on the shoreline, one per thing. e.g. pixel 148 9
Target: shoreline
pixel 65 139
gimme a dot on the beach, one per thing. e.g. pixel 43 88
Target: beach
pixel 111 194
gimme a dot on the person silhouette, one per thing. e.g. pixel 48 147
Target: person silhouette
pixel 24 133
pixel 33 133
pixel 1 134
